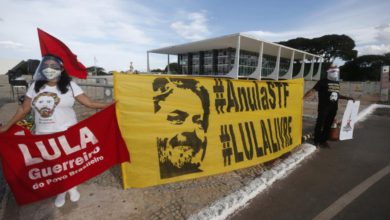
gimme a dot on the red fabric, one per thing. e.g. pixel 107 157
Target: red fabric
pixel 18 130
pixel 52 46
pixel 30 183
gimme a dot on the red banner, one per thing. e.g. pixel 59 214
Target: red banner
pixel 41 166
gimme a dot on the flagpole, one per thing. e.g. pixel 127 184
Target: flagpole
pixel 94 64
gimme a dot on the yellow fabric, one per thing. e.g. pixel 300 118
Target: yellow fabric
pixel 170 136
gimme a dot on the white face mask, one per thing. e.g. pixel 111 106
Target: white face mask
pixel 334 75
pixel 51 74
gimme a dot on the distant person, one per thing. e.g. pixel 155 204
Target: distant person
pixel 328 95
pixel 51 96
pixel 182 148
pixel 131 69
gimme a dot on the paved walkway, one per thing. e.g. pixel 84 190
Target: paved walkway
pixel 348 181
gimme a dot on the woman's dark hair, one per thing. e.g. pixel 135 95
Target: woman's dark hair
pixel 62 84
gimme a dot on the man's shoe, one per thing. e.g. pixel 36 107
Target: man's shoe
pixel 326 145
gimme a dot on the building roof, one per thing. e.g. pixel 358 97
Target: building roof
pixel 248 42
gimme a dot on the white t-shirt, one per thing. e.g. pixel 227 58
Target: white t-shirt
pixel 53 111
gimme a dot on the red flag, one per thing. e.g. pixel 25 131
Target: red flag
pixel 40 166
pixel 52 46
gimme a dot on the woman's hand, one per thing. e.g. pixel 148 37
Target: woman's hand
pixel 3 128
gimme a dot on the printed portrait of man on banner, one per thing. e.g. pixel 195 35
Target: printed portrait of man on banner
pixel 182 146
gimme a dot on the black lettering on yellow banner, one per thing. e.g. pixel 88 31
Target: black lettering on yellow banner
pixel 178 128
pixel 252 97
pixel 275 134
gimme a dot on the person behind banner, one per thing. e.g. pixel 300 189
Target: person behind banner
pixel 182 144
pixel 51 96
pixel 328 95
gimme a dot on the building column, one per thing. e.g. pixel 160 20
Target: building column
pixel 147 62
pixel 301 71
pixel 168 69
pixel 275 74
pixel 257 73
pixel 236 68
pixel 290 69
pixel 310 74
pixel 317 76
pixel 277 69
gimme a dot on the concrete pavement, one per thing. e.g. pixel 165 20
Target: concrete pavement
pixel 330 174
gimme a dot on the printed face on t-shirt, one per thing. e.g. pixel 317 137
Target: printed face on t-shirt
pixel 45 103
pixel 333 96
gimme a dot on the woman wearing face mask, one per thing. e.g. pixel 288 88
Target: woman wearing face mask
pixel 328 95
pixel 51 96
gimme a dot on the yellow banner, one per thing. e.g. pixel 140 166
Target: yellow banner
pixel 179 127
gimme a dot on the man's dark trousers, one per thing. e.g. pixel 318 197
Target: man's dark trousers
pixel 324 122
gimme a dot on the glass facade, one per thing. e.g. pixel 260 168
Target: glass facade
pixel 225 60
pixel 297 67
pixel 196 63
pixel 183 63
pixel 221 62
pixel 316 66
pixel 248 62
pixel 268 66
pixel 307 68
pixel 208 62
pixel 284 66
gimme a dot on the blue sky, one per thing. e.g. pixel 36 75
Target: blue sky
pixel 119 31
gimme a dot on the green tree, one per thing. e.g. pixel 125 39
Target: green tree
pixel 173 68
pixel 329 46
pixel 387 55
pixel 158 70
pixel 300 43
pixel 363 68
pixel 95 70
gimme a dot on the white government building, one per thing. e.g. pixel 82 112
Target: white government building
pixel 258 59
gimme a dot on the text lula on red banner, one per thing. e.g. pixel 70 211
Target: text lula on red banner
pixel 41 166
